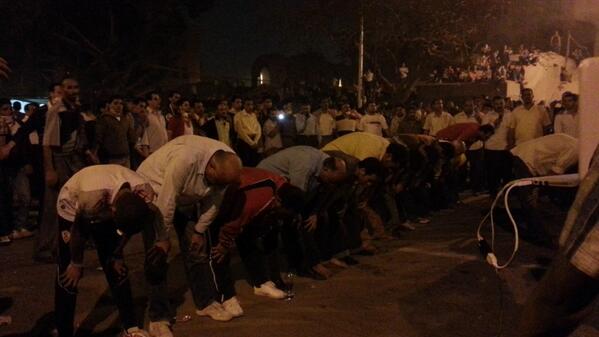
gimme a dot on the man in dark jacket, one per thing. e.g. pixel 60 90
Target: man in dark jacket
pixel 115 135
pixel 220 128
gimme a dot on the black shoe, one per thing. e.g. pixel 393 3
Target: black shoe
pixel 309 273
pixel 349 260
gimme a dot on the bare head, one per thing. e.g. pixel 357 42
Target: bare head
pixel 224 168
pixel 334 170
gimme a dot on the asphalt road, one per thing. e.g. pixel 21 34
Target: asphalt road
pixel 430 282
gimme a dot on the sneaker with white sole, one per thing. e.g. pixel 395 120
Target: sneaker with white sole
pixel 135 332
pixel 215 311
pixel 233 307
pixel 269 289
pixel 5 240
pixel 160 329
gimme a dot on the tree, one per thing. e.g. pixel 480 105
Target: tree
pixel 112 46
pixel 422 33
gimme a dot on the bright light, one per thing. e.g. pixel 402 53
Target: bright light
pixel 261 78
pixel 340 84
pixel 281 116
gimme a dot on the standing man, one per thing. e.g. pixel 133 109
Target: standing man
pixel 108 203
pixel 173 104
pixel 272 134
pixel 530 120
pixel 327 126
pixel 190 175
pixel 307 126
pixel 115 135
pixel 157 134
pixel 373 122
pixel 498 159
pixel 567 121
pixel 437 120
pixel 219 127
pixel 65 149
pixel 249 133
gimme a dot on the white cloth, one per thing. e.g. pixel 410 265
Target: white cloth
pixel 498 141
pixel 91 191
pixel 548 155
pixel 529 124
pixel 434 123
pixel 306 126
pixel 176 173
pixel 374 124
pixel 567 123
pixel 156 130
pixel 223 128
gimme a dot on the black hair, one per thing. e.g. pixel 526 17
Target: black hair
pixel 487 128
pixel 138 100
pixel 371 166
pixel 131 213
pixel 292 197
pixel 571 95
pixel 4 101
pixel 31 104
pixel 53 85
pixel 497 98
pixel 150 94
pixel 399 153
pixel 526 89
pixel 114 97
pixel 330 163
pixel 172 93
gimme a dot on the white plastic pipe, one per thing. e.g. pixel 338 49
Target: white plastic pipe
pixel 589 112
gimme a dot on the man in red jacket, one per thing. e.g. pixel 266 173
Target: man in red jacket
pixel 250 218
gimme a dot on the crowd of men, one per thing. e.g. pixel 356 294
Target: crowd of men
pixel 327 183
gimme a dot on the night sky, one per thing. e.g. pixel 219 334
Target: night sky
pixel 236 32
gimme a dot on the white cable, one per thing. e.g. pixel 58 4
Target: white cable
pixel 491 257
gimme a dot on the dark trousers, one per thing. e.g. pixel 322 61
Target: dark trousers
pixel 499 169
pixel 106 240
pixel 66 166
pixel 5 201
pixel 559 303
pixel 249 156
pixel 477 169
pixel 21 191
pixel 196 262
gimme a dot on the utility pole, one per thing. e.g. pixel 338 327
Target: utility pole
pixel 361 62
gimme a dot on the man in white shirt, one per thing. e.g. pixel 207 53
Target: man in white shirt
pixel 468 115
pixel 156 128
pixel 348 120
pixel 327 126
pixel 108 203
pixel 190 175
pixel 307 126
pixel 438 120
pixel 567 121
pixel 497 156
pixel 530 120
pixel 544 156
pixel 373 122
pixel 249 132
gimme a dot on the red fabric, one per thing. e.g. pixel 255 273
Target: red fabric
pixel 256 200
pixel 466 132
pixel 176 126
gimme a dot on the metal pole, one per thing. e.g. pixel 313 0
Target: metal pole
pixel 361 64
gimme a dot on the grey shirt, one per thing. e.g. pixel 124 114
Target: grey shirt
pixel 301 165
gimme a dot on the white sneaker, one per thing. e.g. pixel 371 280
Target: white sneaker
pixel 160 329
pixel 408 225
pixel 232 306
pixel 135 332
pixel 269 289
pixel 5 240
pixel 215 311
